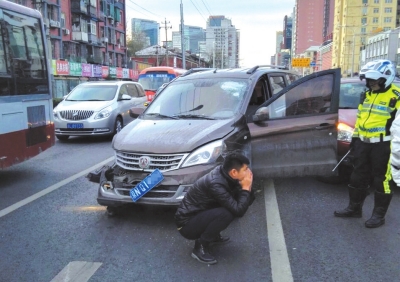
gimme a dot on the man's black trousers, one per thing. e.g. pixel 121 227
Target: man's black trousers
pixel 207 225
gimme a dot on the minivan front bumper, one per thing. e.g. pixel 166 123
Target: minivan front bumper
pixel 169 192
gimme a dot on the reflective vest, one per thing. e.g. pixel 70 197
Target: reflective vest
pixel 376 114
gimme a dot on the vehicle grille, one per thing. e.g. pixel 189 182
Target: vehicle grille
pixel 130 161
pixel 156 192
pixel 76 114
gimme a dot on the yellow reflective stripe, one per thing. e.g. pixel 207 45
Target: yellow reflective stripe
pixel 388 177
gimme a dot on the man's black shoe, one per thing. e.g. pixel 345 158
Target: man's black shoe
pixel 201 253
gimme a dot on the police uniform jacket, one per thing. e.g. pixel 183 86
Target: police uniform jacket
pixel 213 190
pixel 376 114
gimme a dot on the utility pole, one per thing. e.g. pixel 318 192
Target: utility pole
pixel 182 39
pixel 165 23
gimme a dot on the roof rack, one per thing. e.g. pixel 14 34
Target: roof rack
pixel 253 69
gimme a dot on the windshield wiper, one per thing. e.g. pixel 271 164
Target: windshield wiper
pixel 194 116
pixel 161 115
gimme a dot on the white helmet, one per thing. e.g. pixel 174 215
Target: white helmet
pixel 384 69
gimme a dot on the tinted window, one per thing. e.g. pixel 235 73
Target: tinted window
pixel 132 91
pixel 311 97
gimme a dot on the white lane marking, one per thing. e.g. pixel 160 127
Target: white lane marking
pixel 77 271
pixel 51 188
pixel 280 265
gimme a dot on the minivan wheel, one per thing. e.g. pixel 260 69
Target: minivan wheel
pixel 117 125
pixel 62 137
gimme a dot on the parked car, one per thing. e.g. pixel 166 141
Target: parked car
pixel 97 108
pixel 197 119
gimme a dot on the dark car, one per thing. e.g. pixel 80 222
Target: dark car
pixel 197 119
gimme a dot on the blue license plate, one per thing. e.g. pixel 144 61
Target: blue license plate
pixel 74 125
pixel 148 183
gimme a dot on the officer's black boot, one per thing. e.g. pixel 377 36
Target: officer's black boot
pixel 357 197
pixel 201 253
pixel 382 202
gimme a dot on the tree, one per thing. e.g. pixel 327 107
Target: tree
pixel 135 42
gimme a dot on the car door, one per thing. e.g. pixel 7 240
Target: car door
pixel 124 104
pixel 294 133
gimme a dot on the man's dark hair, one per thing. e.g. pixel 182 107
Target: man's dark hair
pixel 234 161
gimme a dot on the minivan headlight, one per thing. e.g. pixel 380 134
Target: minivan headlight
pixel 206 154
pixel 104 113
pixel 345 132
pixel 55 113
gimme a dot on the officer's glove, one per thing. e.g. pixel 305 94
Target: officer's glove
pixel 353 142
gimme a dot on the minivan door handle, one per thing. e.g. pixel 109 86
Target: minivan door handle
pixel 323 126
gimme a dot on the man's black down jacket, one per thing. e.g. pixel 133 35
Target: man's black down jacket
pixel 213 190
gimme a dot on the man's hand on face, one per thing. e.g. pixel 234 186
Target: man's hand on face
pixel 247 181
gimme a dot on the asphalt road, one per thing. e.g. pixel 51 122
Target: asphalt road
pixel 52 229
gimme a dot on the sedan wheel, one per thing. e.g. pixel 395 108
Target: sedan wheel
pixel 118 125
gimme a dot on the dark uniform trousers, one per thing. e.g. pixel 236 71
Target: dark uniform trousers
pixel 372 166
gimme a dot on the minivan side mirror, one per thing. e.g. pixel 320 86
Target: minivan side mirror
pixel 262 114
pixel 135 112
pixel 125 97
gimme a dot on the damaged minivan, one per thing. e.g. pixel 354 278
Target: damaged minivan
pixel 286 126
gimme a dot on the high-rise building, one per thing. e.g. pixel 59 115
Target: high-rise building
pixel 287 33
pixel 354 22
pixel 193 35
pixel 149 29
pixel 222 42
pixel 309 22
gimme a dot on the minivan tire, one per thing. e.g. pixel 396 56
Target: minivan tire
pixel 62 137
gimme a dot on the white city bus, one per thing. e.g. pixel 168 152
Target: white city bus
pixel 26 120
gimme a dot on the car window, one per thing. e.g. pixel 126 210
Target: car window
pixel 216 98
pixel 133 92
pixel 277 83
pixel 122 90
pixel 311 97
pixel 350 93
pixel 140 90
pixel 290 78
pixel 92 93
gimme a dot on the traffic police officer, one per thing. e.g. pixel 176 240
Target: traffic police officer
pixel 371 144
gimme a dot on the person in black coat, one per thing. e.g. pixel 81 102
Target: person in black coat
pixel 213 202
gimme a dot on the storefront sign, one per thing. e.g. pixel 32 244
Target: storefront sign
pixel 119 73
pixel 113 72
pixel 62 67
pixel 75 69
pixel 97 71
pixel 125 73
pixel 105 71
pixel 87 70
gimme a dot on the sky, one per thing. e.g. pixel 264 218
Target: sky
pixel 258 21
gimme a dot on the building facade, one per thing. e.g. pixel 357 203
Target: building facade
pixel 150 30
pixel 355 21
pixel 86 40
pixel 222 42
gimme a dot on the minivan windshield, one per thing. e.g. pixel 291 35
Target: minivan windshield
pixel 208 98
pixel 92 93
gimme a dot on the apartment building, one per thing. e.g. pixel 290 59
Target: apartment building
pixel 355 21
pixel 87 40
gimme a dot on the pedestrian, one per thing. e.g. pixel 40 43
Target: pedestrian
pixel 213 202
pixel 370 145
